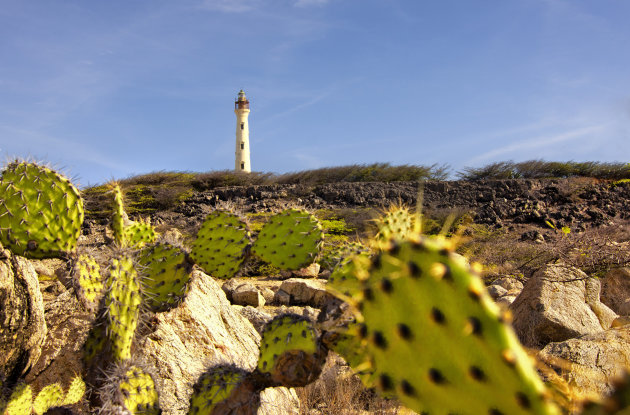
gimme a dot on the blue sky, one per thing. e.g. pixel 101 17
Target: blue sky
pixel 108 89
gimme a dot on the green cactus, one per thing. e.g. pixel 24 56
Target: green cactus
pixel 75 392
pixel 128 233
pixel 122 303
pixel 397 223
pixel 41 212
pixel 49 397
pixel 290 351
pixel 224 389
pixel 343 282
pixel 88 282
pixel 166 271
pixel 422 304
pixel 138 234
pixel 221 244
pixel 130 389
pixel 20 402
pixel 290 240
pixel 119 216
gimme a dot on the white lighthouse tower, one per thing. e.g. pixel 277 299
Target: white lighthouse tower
pixel 241 109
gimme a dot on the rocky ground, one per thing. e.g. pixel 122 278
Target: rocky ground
pixel 575 324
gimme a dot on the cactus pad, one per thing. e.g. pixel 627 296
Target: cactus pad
pixel 49 397
pixel 122 303
pixel 220 245
pixel 130 390
pixel 290 240
pixel 167 273
pixel 138 234
pixel 75 392
pixel 422 304
pixel 119 216
pixel 343 281
pixel 20 402
pixel 396 223
pixel 290 352
pixel 224 390
pixel 88 282
pixel 41 212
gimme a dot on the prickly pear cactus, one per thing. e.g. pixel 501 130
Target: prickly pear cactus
pixel 20 402
pixel 290 352
pixel 290 240
pixel 122 303
pixel 343 281
pixel 422 304
pixel 220 244
pixel 41 212
pixel 88 282
pixel 138 234
pixel 130 390
pixel 49 397
pixel 75 392
pixel 167 272
pixel 119 216
pixel 396 223
pixel 224 389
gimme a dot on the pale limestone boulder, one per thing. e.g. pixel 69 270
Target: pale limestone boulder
pixel 204 331
pixel 310 292
pixel 616 290
pixel 558 303
pixel 312 271
pixel 268 294
pixel 512 285
pixel 247 294
pixel 61 353
pixel 22 324
pixel 592 362
pixel 257 317
pixel 496 291
pixel 282 297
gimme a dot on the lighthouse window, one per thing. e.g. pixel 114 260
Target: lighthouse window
pixel 242 166
pixel 242 146
pixel 242 126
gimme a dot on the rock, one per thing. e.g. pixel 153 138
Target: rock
pixel 267 294
pixel 312 271
pixel 604 314
pixel 496 291
pixel 247 294
pixel 306 292
pixel 591 362
pixel 282 298
pixel 60 360
pixel 616 290
pixel 553 307
pixel 49 268
pixel 203 331
pixel 512 285
pixel 22 324
pixel 257 317
pixel 229 286
pixel 505 300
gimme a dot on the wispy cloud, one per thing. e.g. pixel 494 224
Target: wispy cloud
pixel 537 143
pixel 231 6
pixel 306 3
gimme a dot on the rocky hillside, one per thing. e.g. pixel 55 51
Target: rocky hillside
pixel 578 203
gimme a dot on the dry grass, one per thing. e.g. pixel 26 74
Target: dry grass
pixel 337 391
pixel 539 169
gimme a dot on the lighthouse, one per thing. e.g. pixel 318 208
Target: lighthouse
pixel 241 109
